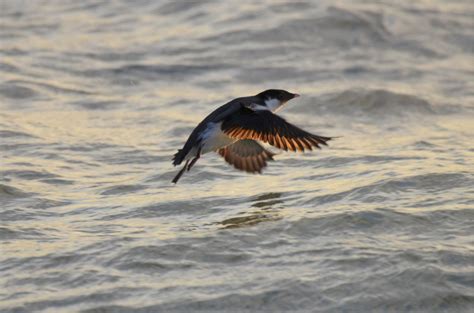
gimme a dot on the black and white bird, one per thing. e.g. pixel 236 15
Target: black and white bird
pixel 235 129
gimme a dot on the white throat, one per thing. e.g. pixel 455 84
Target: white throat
pixel 272 104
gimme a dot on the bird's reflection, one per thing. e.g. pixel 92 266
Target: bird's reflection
pixel 267 200
pixel 267 211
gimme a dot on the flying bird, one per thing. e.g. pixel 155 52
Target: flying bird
pixel 236 129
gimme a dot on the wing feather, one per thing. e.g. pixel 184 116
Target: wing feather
pixel 246 155
pixel 272 129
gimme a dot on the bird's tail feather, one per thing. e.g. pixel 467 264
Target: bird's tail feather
pixel 178 157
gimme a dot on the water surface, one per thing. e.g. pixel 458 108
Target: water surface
pixel 96 97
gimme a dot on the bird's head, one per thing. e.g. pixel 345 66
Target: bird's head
pixel 275 98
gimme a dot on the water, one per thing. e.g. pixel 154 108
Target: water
pixel 96 97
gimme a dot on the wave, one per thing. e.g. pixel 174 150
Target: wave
pixel 338 26
pixel 14 134
pixel 433 183
pixel 11 192
pixel 29 174
pixel 14 91
pixel 153 72
pixel 370 103
pixel 122 189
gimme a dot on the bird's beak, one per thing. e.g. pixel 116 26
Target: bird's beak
pixel 295 95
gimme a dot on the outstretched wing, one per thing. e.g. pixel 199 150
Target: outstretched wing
pixel 246 155
pixel 268 127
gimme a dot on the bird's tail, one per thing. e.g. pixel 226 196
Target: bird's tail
pixel 178 157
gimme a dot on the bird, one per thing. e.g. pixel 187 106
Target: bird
pixel 236 130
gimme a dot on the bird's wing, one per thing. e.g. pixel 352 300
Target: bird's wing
pixel 268 127
pixel 246 155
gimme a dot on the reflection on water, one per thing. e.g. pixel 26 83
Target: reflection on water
pixel 267 200
pixel 268 211
pixel 96 96
pixel 251 219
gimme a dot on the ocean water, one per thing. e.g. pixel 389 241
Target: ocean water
pixel 96 97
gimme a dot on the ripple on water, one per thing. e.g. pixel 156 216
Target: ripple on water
pixel 335 162
pixel 123 189
pixel 140 72
pixel 30 174
pixel 338 27
pixel 381 220
pixel 372 103
pixel 16 232
pixel 7 191
pixel 172 8
pixel 375 221
pixel 96 105
pixel 15 134
pixel 14 91
pixel 32 207
pixel 394 188
pixel 6 67
pixel 176 257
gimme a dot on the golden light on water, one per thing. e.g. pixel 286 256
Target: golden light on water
pixel 96 97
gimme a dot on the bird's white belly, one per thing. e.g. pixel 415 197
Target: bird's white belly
pixel 213 138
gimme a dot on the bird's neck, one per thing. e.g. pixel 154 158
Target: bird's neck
pixel 272 104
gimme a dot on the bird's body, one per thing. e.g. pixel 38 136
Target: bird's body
pixel 234 129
